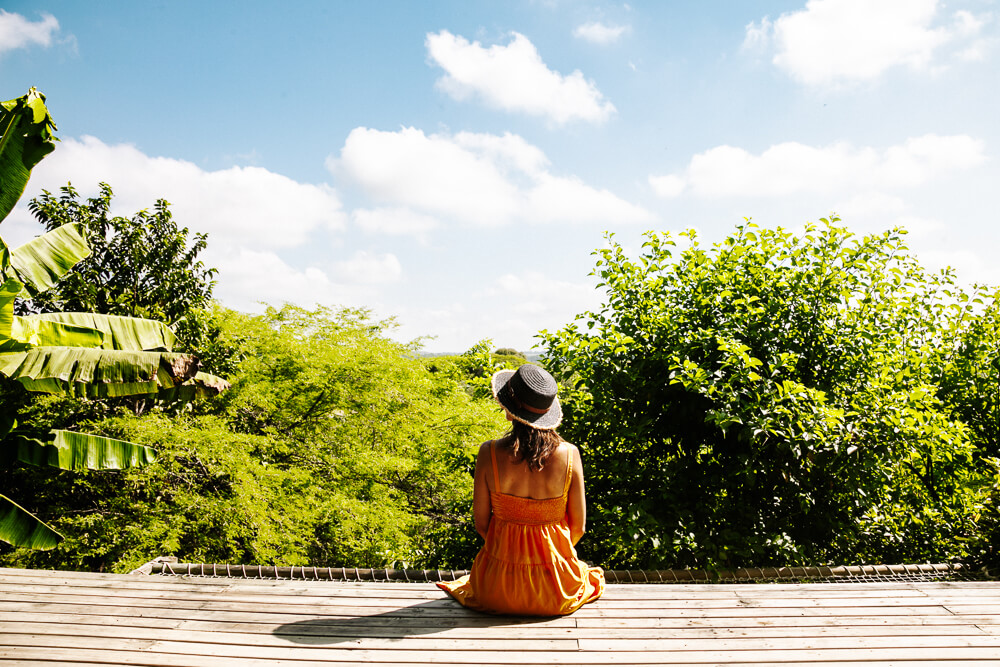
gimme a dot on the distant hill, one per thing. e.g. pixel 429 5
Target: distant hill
pixel 530 355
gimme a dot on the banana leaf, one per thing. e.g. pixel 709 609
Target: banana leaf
pixel 33 331
pixel 69 450
pixel 120 333
pixel 8 291
pixel 96 373
pixel 27 137
pixel 202 385
pixel 21 528
pixel 43 260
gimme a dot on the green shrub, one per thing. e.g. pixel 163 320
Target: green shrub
pixel 771 400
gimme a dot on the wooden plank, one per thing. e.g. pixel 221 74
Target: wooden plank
pixel 244 653
pixel 360 640
pixel 243 615
pixel 974 609
pixel 65 658
pixel 790 643
pixel 238 632
pixel 595 610
pixel 286 636
pixel 782 621
pixel 152 586
pixel 449 608
pixel 196 594
pixel 444 607
pixel 374 598
pixel 325 628
pixel 41 657
pixel 475 625
pixel 443 602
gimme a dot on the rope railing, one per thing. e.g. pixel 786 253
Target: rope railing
pixel 169 566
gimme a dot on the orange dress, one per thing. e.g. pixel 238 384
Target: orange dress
pixel 528 565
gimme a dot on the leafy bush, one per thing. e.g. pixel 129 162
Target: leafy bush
pixel 334 447
pixel 771 400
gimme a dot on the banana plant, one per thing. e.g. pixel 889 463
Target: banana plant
pixel 83 355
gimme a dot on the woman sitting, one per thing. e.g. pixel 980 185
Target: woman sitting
pixel 529 507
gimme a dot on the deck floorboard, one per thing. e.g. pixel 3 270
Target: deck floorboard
pixel 56 619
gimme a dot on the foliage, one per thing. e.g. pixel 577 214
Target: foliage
pixel 360 411
pixel 28 135
pixel 335 446
pixel 70 354
pixel 474 368
pixel 143 266
pixel 507 357
pixel 970 382
pixel 206 496
pixel 771 400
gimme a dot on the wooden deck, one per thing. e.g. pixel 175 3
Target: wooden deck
pixel 69 618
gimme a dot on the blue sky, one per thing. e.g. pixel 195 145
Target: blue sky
pixel 454 164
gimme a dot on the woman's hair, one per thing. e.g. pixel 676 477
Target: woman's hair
pixel 530 444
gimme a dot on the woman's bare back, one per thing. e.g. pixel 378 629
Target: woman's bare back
pixel 516 479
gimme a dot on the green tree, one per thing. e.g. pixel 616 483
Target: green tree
pixel 970 380
pixel 770 400
pixel 73 354
pixel 393 442
pixel 144 266
pixel 335 446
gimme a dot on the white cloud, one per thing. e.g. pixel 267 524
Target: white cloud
pixel 475 179
pixel 249 278
pixel 757 36
pixel 976 51
pixel 17 32
pixel 599 33
pixel 514 78
pixel 837 42
pixel 508 149
pixel 248 205
pixel 875 211
pixel 970 267
pixel 430 173
pixel 667 186
pixel 367 268
pixel 397 221
pixel 791 168
pixel 520 305
pixel 531 294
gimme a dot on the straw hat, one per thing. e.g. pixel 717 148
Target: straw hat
pixel 529 395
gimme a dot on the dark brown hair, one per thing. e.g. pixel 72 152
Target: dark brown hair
pixel 530 444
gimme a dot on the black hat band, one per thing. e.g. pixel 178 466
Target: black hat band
pixel 509 391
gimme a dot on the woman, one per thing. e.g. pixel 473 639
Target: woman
pixel 529 507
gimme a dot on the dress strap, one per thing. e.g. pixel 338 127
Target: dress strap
pixel 496 475
pixel 569 472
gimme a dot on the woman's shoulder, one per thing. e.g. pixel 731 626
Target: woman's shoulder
pixel 565 451
pixel 570 447
pixel 573 453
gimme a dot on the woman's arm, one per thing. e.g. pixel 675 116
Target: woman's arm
pixel 576 508
pixel 482 507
